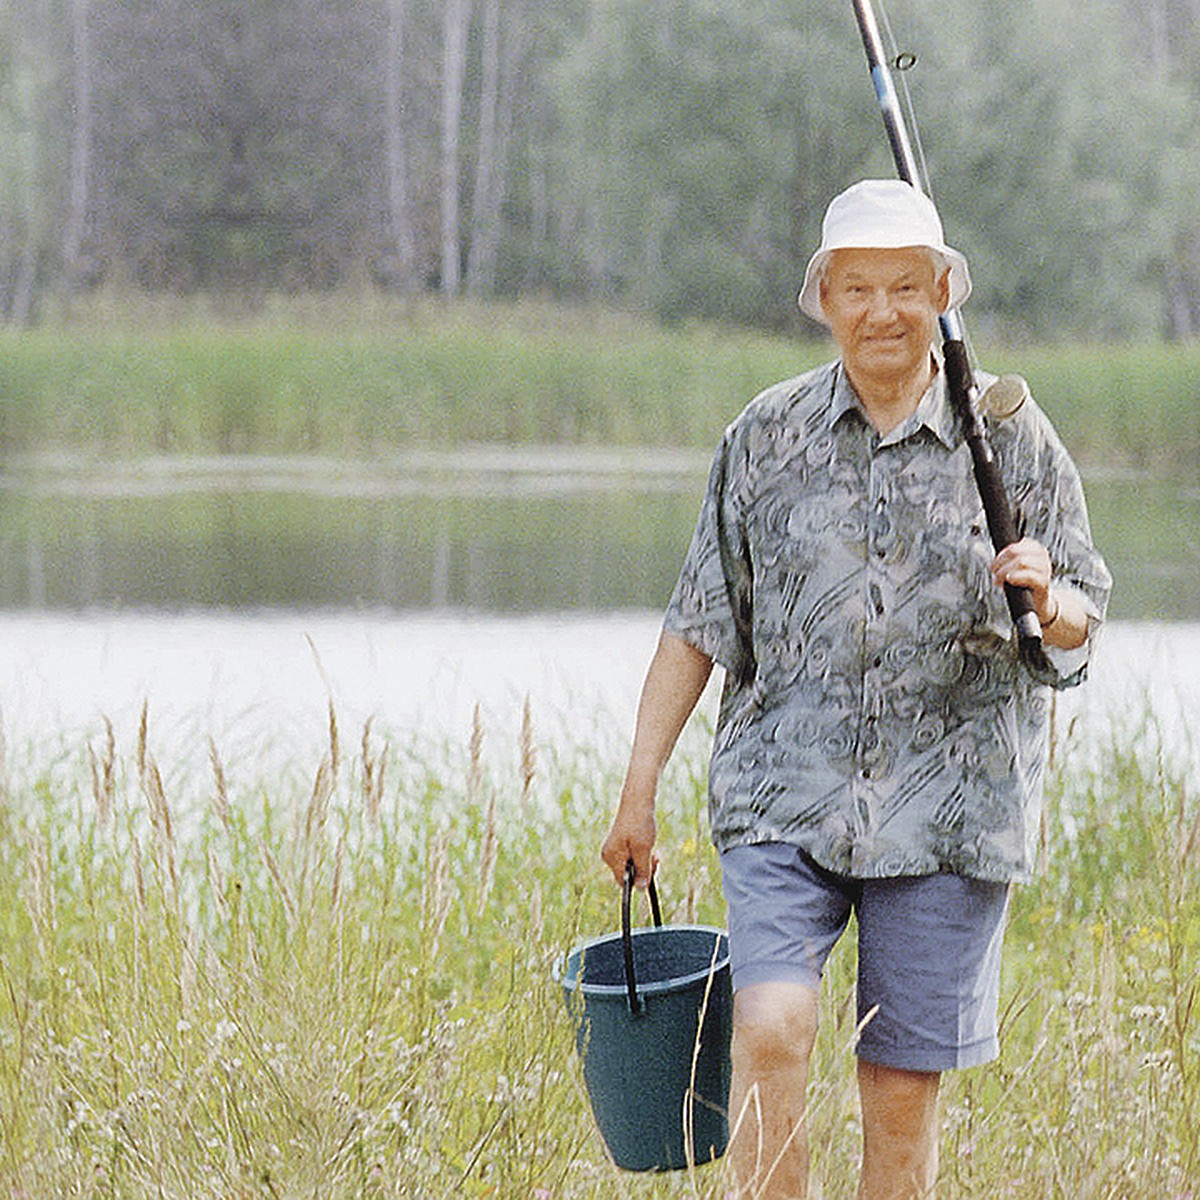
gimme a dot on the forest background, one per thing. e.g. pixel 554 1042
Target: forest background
pixel 671 157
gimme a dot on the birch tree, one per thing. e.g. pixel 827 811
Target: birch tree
pixel 455 27
pixel 81 142
pixel 32 188
pixel 402 233
pixel 502 56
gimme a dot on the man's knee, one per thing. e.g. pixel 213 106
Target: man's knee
pixel 774 1027
pixel 897 1102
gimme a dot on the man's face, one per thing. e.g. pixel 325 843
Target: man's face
pixel 882 307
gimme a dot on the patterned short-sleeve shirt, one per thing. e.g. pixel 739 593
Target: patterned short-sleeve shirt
pixel 874 711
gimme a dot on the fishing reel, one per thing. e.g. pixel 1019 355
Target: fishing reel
pixel 1004 397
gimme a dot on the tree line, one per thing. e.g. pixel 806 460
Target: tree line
pixel 674 155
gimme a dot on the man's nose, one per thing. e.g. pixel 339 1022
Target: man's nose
pixel 879 304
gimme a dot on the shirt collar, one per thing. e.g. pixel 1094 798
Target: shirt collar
pixel 933 412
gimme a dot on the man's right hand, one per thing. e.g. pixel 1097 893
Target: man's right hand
pixel 631 837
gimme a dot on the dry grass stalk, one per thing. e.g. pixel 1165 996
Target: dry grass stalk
pixel 487 866
pixel 104 771
pixel 143 737
pixel 254 956
pixel 156 800
pixel 373 768
pixel 335 744
pixel 339 865
pixel 216 885
pixel 150 779
pixel 220 796
pixel 139 877
pixel 318 802
pixel 536 919
pixel 437 892
pixel 528 754
pixel 475 763
pixel 160 818
pixel 273 870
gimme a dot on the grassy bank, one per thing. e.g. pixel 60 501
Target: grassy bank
pixel 363 378
pixel 340 985
pixel 363 388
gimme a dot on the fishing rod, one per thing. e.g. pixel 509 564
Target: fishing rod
pixel 960 377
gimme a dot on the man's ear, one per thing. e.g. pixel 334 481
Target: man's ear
pixel 943 291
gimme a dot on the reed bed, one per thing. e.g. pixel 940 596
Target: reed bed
pixel 425 377
pixel 358 376
pixel 340 985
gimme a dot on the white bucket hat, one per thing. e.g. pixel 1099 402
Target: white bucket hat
pixel 881 214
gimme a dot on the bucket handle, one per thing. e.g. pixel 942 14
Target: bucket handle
pixel 635 1001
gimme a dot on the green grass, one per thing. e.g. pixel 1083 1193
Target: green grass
pixel 339 984
pixel 361 377
pixel 407 377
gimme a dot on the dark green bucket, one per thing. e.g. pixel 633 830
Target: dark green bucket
pixel 639 999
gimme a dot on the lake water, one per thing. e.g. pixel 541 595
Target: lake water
pixel 488 529
pixel 259 685
pixel 238 597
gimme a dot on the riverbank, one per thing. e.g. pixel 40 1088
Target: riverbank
pixel 360 379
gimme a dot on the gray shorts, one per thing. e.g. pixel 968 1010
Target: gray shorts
pixel 928 950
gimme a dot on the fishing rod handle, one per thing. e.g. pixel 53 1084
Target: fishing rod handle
pixel 1003 530
pixel 1001 522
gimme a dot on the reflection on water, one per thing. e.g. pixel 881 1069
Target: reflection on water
pixel 486 530
pixel 490 533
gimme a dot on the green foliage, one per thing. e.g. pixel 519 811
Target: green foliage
pixel 673 158
pixel 696 127
pixel 1046 187
pixel 712 138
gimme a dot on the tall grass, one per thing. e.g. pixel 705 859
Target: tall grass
pixel 361 377
pixel 340 985
pixel 403 377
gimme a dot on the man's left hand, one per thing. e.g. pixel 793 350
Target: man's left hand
pixel 1027 564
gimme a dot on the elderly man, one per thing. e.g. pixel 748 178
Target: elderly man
pixel 880 746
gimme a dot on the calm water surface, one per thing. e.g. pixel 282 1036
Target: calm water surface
pixel 238 597
pixel 490 530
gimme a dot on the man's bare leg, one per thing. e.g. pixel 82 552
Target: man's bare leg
pixel 774 1026
pixel 900 1133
